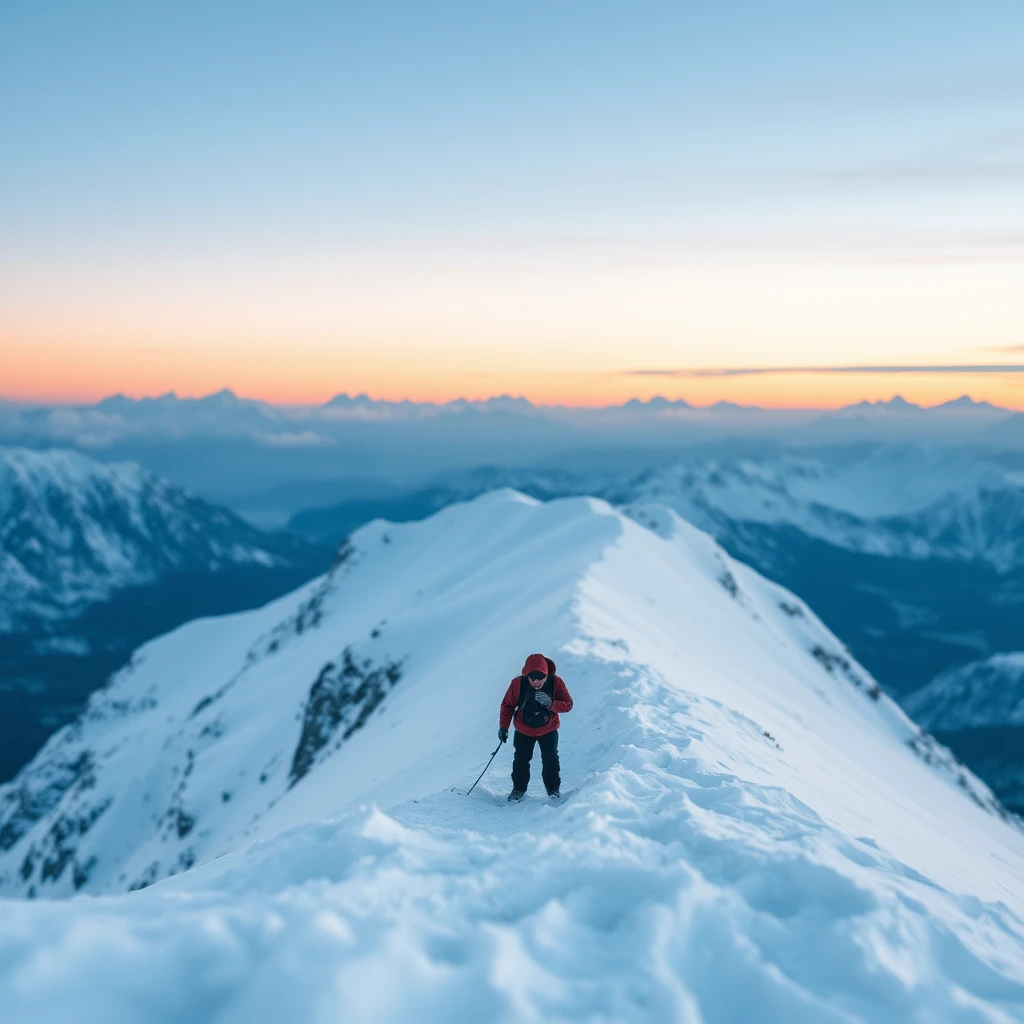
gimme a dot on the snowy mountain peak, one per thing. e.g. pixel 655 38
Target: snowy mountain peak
pixel 738 797
pixel 899 402
pixel 497 403
pixel 225 398
pixel 346 401
pixel 725 406
pixel 980 694
pixel 967 404
pixel 895 405
pixel 657 404
pixel 74 530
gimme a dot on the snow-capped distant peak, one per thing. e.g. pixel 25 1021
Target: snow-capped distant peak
pixel 967 404
pixel 724 406
pixel 981 694
pixel 656 404
pixel 897 405
pixel 497 403
pixel 345 400
pixel 225 398
pixel 74 530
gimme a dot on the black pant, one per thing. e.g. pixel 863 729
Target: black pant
pixel 523 745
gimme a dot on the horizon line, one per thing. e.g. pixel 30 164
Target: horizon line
pixel 228 392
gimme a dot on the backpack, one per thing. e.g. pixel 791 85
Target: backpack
pixel 531 714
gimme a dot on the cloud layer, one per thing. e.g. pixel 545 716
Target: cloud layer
pixel 752 371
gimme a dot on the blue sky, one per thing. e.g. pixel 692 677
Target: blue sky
pixel 476 138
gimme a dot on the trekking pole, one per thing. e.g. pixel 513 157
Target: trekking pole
pixel 486 766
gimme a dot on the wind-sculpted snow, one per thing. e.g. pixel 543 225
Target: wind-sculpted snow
pixel 748 831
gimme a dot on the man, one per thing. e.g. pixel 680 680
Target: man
pixel 534 700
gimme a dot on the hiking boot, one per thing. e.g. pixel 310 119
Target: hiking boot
pixel 555 794
pixel 517 794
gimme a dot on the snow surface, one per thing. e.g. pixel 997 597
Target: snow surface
pixel 751 831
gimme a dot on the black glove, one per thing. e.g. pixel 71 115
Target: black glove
pixel 503 735
pixel 542 699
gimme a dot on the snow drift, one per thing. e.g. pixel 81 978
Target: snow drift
pixel 752 830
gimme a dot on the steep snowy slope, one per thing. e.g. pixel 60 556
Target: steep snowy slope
pixel 751 831
pixel 979 708
pixel 73 531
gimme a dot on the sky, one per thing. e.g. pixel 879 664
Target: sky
pixel 579 202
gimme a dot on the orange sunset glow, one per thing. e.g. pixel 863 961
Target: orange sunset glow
pixel 562 333
pixel 534 237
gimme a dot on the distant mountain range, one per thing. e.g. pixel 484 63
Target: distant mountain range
pixel 232 450
pixel 95 558
pixel 73 531
pixel 223 412
pixel 901 501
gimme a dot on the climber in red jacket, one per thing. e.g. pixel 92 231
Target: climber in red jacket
pixel 534 700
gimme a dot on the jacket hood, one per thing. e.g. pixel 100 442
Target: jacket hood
pixel 538 663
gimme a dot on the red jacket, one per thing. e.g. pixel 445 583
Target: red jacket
pixel 560 703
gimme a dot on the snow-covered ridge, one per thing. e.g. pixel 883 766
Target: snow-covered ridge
pixel 751 830
pixel 74 530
